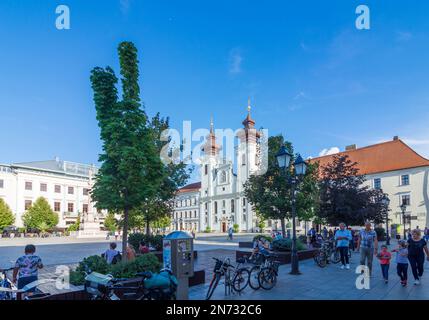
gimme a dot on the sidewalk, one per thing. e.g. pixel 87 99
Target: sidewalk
pixel 330 283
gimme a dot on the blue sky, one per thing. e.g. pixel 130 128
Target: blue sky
pixel 310 73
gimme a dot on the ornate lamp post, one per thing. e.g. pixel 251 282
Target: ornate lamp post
pixel 403 209
pixel 386 201
pixel 283 160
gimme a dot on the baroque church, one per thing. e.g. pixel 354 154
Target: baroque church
pixel 218 201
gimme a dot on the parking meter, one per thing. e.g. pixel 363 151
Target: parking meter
pixel 178 256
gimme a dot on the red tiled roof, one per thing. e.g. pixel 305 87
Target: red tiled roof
pixel 190 187
pixel 382 157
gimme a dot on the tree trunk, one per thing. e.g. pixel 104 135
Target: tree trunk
pixel 148 227
pixel 125 235
pixel 282 221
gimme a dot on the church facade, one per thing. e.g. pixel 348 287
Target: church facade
pixel 218 201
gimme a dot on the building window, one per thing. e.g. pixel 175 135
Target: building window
pixel 70 207
pixel 405 180
pixel 232 205
pixel 215 219
pixel 244 202
pixel 1 184
pixel 223 176
pixel 70 190
pixel 195 213
pixel 28 204
pixel 377 183
pixel 28 185
pixel 215 207
pixel 406 199
pixel 57 206
pixel 43 187
pixel 206 206
pixel 85 208
pixel 57 188
pixel 243 159
pixel 232 218
pixel 244 218
pixel 206 169
pixel 223 203
pixel 85 191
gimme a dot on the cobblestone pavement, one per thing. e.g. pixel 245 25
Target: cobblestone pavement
pixel 330 283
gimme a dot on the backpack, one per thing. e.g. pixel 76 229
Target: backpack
pixel 117 258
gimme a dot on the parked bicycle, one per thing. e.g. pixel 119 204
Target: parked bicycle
pixel 159 286
pixel 236 277
pixel 326 254
pixel 6 286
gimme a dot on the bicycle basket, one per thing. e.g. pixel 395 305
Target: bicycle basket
pixel 218 266
pixel 97 283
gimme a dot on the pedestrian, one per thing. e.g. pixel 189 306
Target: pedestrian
pixel 367 245
pixel 111 255
pixel 131 253
pixel 351 242
pixel 116 235
pixel 330 234
pixel 402 261
pixel 143 248
pixel 343 238
pixel 417 247
pixel 384 256
pixel 426 234
pixel 230 231
pixel 27 268
pixel 409 235
pixel 325 232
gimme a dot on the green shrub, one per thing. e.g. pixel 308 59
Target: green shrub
pixel 155 241
pixel 94 263
pixel 286 245
pixel 208 230
pixel 269 239
pixel 146 262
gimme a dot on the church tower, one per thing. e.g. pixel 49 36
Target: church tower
pixel 209 162
pixel 247 164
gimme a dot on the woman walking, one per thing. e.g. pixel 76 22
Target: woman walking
pixel 417 247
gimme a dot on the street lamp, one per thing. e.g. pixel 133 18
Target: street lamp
pixel 403 209
pixel 283 160
pixel 386 201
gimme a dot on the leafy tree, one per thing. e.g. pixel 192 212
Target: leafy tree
pixel 40 216
pixel 344 198
pixel 6 216
pixel 130 170
pixel 110 222
pixel 271 193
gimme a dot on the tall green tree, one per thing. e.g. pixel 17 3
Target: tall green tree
pixel 130 162
pixel 270 194
pixel 6 216
pixel 110 222
pixel 40 216
pixel 345 198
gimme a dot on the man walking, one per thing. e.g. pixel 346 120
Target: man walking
pixel 343 238
pixel 368 245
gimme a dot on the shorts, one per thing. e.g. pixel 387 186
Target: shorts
pixel 22 282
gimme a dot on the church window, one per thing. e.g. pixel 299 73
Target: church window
pixel 244 201
pixel 223 176
pixel 232 205
pixel 215 207
pixel 206 169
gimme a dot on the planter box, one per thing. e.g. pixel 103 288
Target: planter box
pixel 284 257
pixel 245 244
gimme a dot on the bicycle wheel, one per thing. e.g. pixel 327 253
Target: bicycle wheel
pixel 241 279
pixel 253 277
pixel 335 256
pixel 321 260
pixel 213 285
pixel 267 278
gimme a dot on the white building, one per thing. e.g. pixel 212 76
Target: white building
pixel 65 185
pixel 218 201
pixel 399 171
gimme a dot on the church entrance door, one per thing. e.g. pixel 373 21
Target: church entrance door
pixel 223 226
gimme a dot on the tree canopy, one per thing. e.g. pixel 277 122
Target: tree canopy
pixel 345 198
pixel 40 216
pixel 7 218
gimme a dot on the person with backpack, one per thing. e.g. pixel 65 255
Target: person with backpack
pixel 112 255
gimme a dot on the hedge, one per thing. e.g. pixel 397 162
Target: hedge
pixel 155 241
pixel 286 245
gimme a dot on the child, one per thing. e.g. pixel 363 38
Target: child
pixel 27 268
pixel 402 261
pixel 385 257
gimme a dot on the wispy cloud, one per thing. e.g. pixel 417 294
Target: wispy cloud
pixel 235 60
pixel 329 151
pixel 125 6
